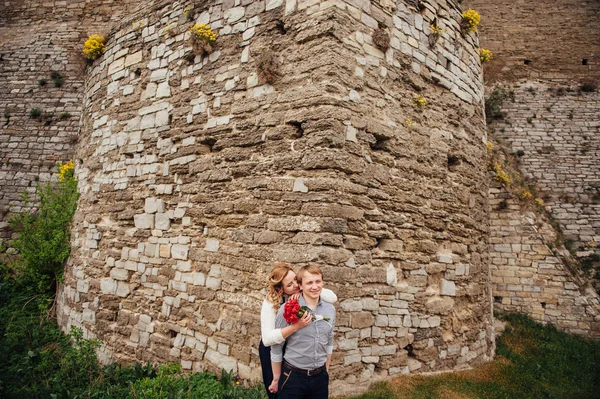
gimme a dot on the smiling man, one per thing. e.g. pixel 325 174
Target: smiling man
pixel 302 372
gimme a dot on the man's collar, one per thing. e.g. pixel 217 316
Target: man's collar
pixel 302 302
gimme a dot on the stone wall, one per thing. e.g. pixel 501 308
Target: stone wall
pixel 196 176
pixel 555 130
pixel 530 274
pixel 36 39
pixel 554 36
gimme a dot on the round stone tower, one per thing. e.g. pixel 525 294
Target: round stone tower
pixel 302 137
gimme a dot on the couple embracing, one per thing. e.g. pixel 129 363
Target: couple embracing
pixel 295 355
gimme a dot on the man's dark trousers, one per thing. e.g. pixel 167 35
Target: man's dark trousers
pixel 293 385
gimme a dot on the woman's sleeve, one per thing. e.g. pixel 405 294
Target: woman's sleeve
pixel 269 334
pixel 328 296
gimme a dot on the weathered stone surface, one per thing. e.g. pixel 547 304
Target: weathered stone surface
pixel 211 175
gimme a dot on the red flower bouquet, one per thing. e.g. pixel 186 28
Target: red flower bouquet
pixel 292 312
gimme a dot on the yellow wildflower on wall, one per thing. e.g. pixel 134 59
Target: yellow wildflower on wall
pixel 65 170
pixel 539 202
pixel 420 102
pixel 94 47
pixel 485 55
pixel 525 194
pixel 203 33
pixel 436 30
pixel 470 20
pixel 202 38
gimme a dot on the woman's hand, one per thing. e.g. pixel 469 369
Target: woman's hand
pixel 295 296
pixel 274 386
pixel 305 320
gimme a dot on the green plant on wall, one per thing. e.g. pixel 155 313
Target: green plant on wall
pixel 43 236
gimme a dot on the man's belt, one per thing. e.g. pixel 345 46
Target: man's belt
pixel 309 373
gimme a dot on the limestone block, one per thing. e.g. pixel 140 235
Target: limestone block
pixel 351 305
pixel 220 360
pixel 299 186
pixel 354 96
pixel 119 274
pixel 116 66
pixel 351 134
pixel 199 278
pixel 133 59
pixel 122 289
pixel 445 258
pixel 391 275
pixel 391 245
pixel 153 205
pixel 127 90
pixel 386 350
pixel 163 90
pixel 89 316
pixel 159 75
pixel 83 286
pixel 212 245
pixel 234 14
pixel 248 33
pixel 108 286
pixel 147 121
pixel 447 288
pixel 179 286
pixel 271 4
pixel 144 221
pixel 213 283
pixel 162 221
pixel 179 251
pixel 352 358
pixel 370 359
pixel 347 344
pixel 414 364
pixel 395 320
pixel 369 304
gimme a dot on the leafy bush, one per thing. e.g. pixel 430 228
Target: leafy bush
pixel 35 113
pixel 43 240
pixel 589 86
pixel 64 115
pixel 493 105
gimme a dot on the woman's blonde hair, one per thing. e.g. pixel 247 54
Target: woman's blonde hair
pixel 275 283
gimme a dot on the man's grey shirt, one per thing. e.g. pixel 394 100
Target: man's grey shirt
pixel 307 348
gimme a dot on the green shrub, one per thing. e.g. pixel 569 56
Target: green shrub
pixel 64 115
pixel 43 240
pixel 493 105
pixel 35 113
pixel 589 86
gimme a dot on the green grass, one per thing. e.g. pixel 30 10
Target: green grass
pixel 533 361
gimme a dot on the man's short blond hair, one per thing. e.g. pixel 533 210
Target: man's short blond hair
pixel 312 269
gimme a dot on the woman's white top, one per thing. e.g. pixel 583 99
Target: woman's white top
pixel 271 335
